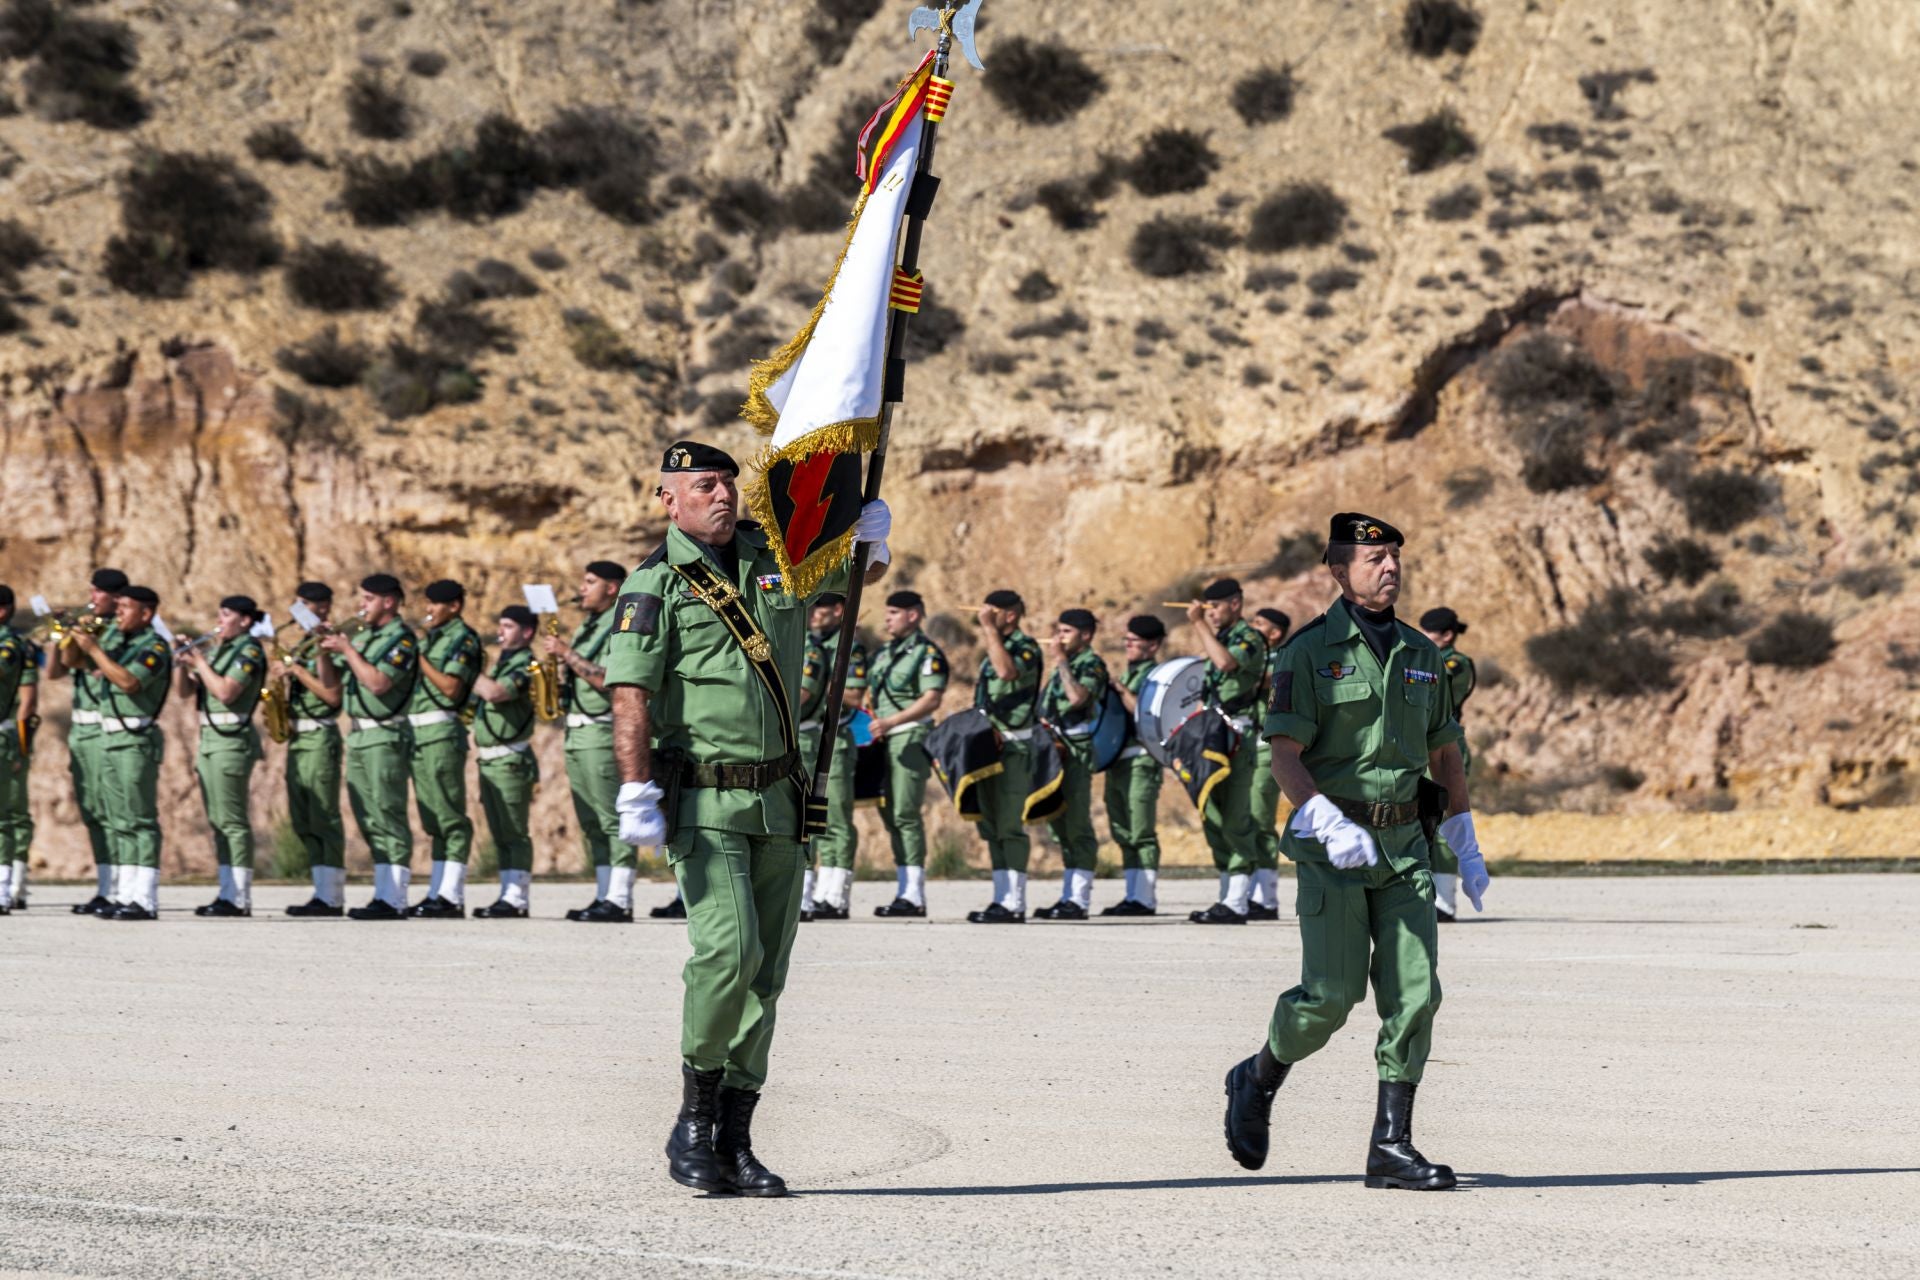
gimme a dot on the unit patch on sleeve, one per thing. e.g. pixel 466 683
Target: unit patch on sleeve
pixel 638 614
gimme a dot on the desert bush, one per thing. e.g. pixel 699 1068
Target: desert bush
pixel 833 23
pixel 1713 614
pixel 1255 375
pixel 1171 161
pixel 459 330
pixel 1035 286
pixel 492 176
pixel 1268 279
pixel 1440 139
pixel 1867 581
pixel 1265 96
pixel 1058 326
pixel 489 279
pixel 610 159
pixel 1720 501
pixel 182 212
pixel 1556 458
pixel 1468 486
pixel 325 361
pixel 1296 553
pixel 1041 82
pixel 426 63
pixel 934 329
pixel 279 143
pixel 1543 369
pixel 76 66
pixel 379 193
pixel 1682 560
pixel 335 277
pixel 1332 280
pixel 547 259
pixel 11 321
pixel 596 344
pixel 1603 654
pixel 1623 777
pixel 407 381
pixel 741 205
pixel 1793 639
pixel 1433 28
pixel 1600 88
pixel 1167 247
pixel 376 109
pixel 1301 216
pixel 19 249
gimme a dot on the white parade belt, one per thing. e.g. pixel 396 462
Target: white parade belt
pixel 1083 731
pixel 1017 735
pixel 1131 752
pixel 361 722
pixel 220 719
pixel 86 717
pixel 1241 724
pixel 131 724
pixel 505 749
pixel 580 720
pixel 311 726
pixel 422 719
pixel 910 724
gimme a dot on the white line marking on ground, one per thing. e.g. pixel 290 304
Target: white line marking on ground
pixel 439 1233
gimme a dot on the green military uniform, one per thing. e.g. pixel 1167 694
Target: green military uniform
pixel 1073 825
pixel 84 761
pixel 728 761
pixel 132 744
pixel 901 673
pixel 591 774
pixel 836 847
pixel 1461 678
pixel 19 669
pixel 1133 803
pixel 377 754
pixel 1265 800
pixel 1366 726
pixel 1012 706
pixel 229 748
pixel 1228 818
pixel 503 736
pixel 437 750
pixel 313 783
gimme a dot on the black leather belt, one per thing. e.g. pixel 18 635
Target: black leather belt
pixel 1378 815
pixel 747 777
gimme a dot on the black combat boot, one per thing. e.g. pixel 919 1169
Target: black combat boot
pixel 1392 1161
pixel 733 1143
pixel 1250 1090
pixel 690 1158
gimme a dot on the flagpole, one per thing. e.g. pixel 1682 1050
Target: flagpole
pixel 831 706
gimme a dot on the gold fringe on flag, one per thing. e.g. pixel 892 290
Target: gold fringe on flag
pixel 758 410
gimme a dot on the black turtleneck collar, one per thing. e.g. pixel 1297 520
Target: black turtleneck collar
pixel 1378 629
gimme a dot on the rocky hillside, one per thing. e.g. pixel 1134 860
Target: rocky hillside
pixel 1608 303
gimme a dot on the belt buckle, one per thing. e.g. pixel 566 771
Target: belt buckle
pixel 1379 815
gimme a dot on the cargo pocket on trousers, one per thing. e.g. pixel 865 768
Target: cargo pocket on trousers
pixel 1309 900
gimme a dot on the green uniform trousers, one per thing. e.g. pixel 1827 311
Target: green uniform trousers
pixel 225 769
pixel 1373 922
pixel 130 767
pixel 1133 811
pixel 742 894
pixel 313 796
pixel 377 791
pixel 904 814
pixel 1445 860
pixel 1073 828
pixel 1265 799
pixel 89 786
pixel 16 818
pixel 835 847
pixel 1228 820
pixel 439 768
pixel 506 797
pixel 1003 802
pixel 595 784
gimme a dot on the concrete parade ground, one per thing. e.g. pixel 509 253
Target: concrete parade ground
pixel 1634 1076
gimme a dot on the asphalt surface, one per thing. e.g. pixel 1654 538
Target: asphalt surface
pixel 1671 1076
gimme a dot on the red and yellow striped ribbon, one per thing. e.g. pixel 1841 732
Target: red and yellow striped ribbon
pixel 939 93
pixel 906 291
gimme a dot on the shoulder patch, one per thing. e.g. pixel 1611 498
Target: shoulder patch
pixel 638 613
pixel 1282 699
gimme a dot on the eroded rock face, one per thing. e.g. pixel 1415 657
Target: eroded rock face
pixel 1634 194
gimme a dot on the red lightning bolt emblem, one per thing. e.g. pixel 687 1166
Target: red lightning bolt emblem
pixel 805 487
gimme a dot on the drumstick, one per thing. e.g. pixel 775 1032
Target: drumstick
pixel 1178 604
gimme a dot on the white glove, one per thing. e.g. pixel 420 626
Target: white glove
pixel 1348 844
pixel 874 523
pixel 641 822
pixel 1457 831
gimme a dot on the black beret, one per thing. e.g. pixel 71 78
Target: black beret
pixel 906 600
pixel 381 584
pixel 6 595
pixel 1442 619
pixel 445 591
pixel 1005 599
pixel 1079 619
pixel 1352 529
pixel 109 580
pixel 318 592
pixel 140 595
pixel 1276 617
pixel 1221 589
pixel 521 614
pixel 828 599
pixel 242 605
pixel 690 455
pixel 1146 627
pixel 607 571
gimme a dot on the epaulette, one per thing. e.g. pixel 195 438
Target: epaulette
pixel 1414 637
pixel 1291 640
pixel 654 561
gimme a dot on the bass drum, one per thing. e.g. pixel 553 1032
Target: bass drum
pixel 1173 691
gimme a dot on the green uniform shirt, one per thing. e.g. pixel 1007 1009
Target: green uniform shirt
pixel 707 702
pixel 818 666
pixel 1235 692
pixel 303 703
pixel 453 649
pixel 590 642
pixel 498 724
pixel 1461 679
pixel 89 687
pixel 1010 704
pixel 1366 728
pixel 905 670
pixel 392 651
pixel 148 659
pixel 1090 672
pixel 241 659
pixel 19 667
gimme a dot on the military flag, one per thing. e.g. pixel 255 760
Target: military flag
pixel 1200 753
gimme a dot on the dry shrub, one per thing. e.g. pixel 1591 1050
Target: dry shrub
pixel 1041 82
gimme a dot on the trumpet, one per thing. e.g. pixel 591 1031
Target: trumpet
pixel 186 647
pixel 545 680
pixel 59 627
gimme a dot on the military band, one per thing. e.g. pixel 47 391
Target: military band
pixel 1070 709
pixel 1133 781
pixel 383 665
pixel 1444 628
pixel 1236 671
pixel 1273 626
pixel 308 679
pixel 508 771
pixel 591 776
pixel 833 851
pixel 906 682
pixel 1008 691
pixel 19 719
pixel 225 676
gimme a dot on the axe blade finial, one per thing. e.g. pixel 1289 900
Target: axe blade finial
pixel 959 25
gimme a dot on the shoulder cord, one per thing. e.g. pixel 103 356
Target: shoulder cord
pixel 166 691
pixel 400 709
pixel 433 692
pixel 487 708
pixel 244 725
